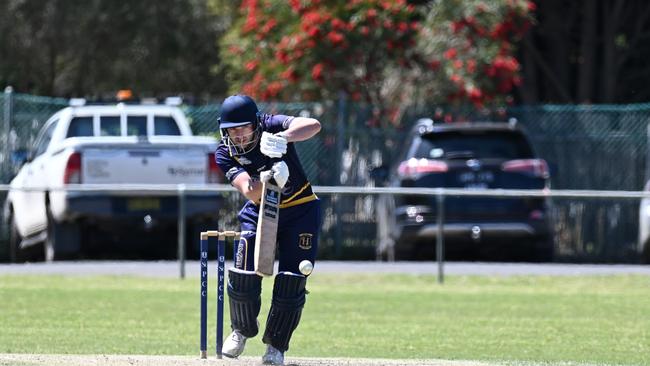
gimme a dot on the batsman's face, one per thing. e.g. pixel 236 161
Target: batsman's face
pixel 242 136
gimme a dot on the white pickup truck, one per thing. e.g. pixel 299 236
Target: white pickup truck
pixel 116 145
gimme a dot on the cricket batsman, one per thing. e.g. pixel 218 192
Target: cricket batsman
pixel 257 147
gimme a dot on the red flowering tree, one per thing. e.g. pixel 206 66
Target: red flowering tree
pixel 469 45
pixel 378 51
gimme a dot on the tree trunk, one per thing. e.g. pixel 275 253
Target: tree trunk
pixel 558 16
pixel 51 69
pixel 587 56
pixel 611 14
pixel 529 91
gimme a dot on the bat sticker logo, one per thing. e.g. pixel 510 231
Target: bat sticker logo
pixel 269 211
pixel 272 197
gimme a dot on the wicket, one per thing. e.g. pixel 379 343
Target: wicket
pixel 221 254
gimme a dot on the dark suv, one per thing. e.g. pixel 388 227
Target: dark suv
pixel 474 155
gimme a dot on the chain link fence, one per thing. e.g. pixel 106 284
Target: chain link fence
pixel 22 118
pixel 593 147
pixel 586 147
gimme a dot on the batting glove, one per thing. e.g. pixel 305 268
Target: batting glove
pixel 266 176
pixel 280 173
pixel 273 145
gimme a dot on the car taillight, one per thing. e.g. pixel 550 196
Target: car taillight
pixel 534 167
pixel 413 167
pixel 536 215
pixel 72 173
pixel 214 173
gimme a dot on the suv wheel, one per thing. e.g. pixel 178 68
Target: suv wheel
pixel 544 250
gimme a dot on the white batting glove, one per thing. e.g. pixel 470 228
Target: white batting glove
pixel 266 176
pixel 280 173
pixel 273 145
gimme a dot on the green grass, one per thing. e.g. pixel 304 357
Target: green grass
pixel 594 319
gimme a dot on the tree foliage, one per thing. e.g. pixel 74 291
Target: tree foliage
pixel 470 46
pixel 317 48
pixel 87 48
pixel 386 53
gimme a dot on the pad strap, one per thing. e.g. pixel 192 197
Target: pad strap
pixel 286 308
pixel 244 295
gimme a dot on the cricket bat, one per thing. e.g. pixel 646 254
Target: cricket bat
pixel 267 228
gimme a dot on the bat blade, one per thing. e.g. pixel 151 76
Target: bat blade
pixel 267 229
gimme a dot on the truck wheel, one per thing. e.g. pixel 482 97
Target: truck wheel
pixel 49 246
pixel 645 254
pixel 15 253
pixel 63 240
pixel 4 251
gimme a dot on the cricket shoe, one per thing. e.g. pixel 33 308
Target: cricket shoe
pixel 273 356
pixel 234 344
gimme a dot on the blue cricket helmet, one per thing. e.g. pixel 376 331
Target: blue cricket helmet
pixel 238 110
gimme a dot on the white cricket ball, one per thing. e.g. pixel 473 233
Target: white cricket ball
pixel 305 267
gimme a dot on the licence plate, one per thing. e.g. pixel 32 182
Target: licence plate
pixel 476 180
pixel 140 204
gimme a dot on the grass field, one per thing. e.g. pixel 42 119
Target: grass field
pixel 602 320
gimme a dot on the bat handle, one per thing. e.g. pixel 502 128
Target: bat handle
pixel 273 161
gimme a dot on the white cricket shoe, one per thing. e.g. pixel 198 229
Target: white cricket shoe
pixel 234 345
pixel 273 356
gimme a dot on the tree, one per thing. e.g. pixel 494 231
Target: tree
pixel 385 53
pixel 470 46
pixel 313 49
pixel 587 51
pixel 94 47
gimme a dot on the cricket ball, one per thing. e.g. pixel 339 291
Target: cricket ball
pixel 305 267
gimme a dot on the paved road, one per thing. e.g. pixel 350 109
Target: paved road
pixel 172 268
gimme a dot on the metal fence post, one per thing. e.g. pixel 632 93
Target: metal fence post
pixel 6 160
pixel 181 229
pixel 340 137
pixel 440 240
pixel 647 152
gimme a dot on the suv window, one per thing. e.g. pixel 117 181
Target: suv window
pixel 166 126
pixel 80 126
pixel 479 145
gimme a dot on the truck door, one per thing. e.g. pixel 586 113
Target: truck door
pixel 35 181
